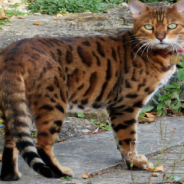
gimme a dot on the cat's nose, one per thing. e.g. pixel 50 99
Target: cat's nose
pixel 160 37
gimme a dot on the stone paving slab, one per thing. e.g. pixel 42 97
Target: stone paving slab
pixel 94 153
pixel 175 167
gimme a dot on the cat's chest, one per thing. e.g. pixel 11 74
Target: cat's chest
pixel 160 81
pixel 167 75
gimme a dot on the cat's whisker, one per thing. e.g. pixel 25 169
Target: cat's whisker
pixel 175 47
pixel 139 50
pixel 135 46
pixel 178 45
pixel 143 50
pixel 140 42
pixel 136 41
pixel 131 41
pixel 148 52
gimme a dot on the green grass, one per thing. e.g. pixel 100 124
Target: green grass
pixel 73 6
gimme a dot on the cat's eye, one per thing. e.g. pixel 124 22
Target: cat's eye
pixel 148 27
pixel 172 26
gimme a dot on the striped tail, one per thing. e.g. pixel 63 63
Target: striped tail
pixel 19 120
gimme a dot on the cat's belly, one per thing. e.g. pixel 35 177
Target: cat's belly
pixel 86 108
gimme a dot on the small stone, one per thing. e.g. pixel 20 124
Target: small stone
pixel 37 13
pixel 85 130
pixel 85 176
pixel 21 16
pixel 124 4
pixel 155 174
pixel 37 23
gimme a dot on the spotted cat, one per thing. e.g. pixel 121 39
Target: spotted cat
pixel 41 77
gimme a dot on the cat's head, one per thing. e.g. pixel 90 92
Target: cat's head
pixel 160 27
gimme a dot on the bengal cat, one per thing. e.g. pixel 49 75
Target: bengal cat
pixel 40 78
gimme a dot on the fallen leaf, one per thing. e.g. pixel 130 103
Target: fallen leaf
pixel 3 15
pixel 150 115
pixel 85 176
pixel 159 168
pixel 37 23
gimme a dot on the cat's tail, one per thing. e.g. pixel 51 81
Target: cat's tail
pixel 18 119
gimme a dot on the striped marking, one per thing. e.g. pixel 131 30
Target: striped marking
pixel 92 82
pixel 97 59
pixel 100 49
pixel 69 57
pixel 84 56
pixel 114 54
pixel 60 108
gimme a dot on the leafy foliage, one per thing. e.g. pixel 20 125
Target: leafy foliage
pixel 100 125
pixel 73 6
pixel 145 109
pixel 66 178
pixel 2 22
pixel 80 115
pixel 169 101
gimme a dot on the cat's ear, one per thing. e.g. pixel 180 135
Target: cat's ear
pixel 137 8
pixel 179 6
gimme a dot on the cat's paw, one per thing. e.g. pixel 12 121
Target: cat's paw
pixel 67 171
pixel 62 172
pixel 137 162
pixel 10 176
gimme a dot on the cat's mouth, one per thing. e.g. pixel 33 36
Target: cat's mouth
pixel 162 45
pixel 166 52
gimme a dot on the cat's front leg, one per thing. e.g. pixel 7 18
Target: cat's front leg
pixel 124 125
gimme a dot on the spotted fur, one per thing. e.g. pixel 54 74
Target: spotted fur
pixel 40 78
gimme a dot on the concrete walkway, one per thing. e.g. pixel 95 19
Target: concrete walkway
pixel 96 153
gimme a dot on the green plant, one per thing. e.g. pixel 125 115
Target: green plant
pixel 13 12
pixel 174 178
pixel 80 115
pixel 9 13
pixel 104 126
pixel 168 99
pixel 34 134
pixel 73 6
pixel 2 22
pixel 66 178
pixel 145 110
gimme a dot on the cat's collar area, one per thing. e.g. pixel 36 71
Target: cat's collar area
pixel 166 52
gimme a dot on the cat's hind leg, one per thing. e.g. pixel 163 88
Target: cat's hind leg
pixel 9 171
pixel 50 118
